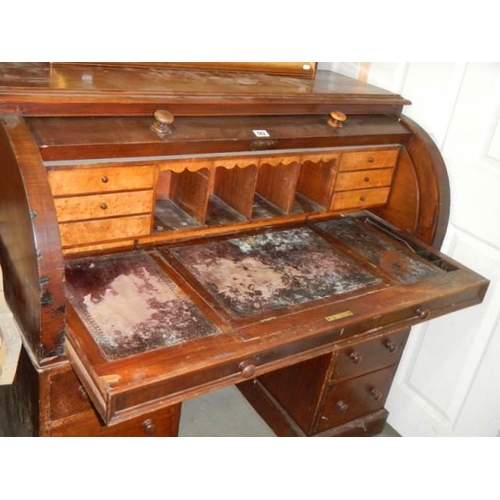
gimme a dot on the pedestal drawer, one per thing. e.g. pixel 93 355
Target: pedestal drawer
pixel 354 398
pixel 369 355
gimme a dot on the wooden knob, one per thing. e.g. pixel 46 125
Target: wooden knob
pixel 390 346
pixel 149 427
pixel 104 206
pixel 163 121
pixel 370 160
pixel 342 407
pixel 336 119
pixel 246 369
pixel 356 357
pixel 82 393
pixel 362 198
pixel 104 179
pixel 375 394
pixel 366 179
pixel 423 313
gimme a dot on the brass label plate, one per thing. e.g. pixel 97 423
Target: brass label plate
pixel 335 317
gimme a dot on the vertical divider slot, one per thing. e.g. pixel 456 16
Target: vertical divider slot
pixel 277 182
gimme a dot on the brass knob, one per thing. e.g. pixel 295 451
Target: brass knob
pixel 104 179
pixel 342 407
pixel 246 369
pixel 423 313
pixel 104 206
pixel 149 427
pixel 163 121
pixel 375 394
pixel 390 346
pixel 336 119
pixel 356 357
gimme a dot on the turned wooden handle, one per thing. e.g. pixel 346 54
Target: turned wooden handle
pixel 336 119
pixel 163 121
pixel 247 369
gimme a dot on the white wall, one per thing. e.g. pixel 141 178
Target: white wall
pixel 448 382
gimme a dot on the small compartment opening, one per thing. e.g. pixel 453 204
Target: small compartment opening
pixel 182 199
pixel 315 186
pixel 276 189
pixel 232 195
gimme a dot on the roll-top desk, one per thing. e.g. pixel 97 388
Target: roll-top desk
pixel 165 232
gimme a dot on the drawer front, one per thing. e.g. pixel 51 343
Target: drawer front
pixel 99 206
pixel 360 198
pixel 355 398
pixel 363 160
pixel 369 355
pixel 100 180
pixel 101 230
pixel 363 179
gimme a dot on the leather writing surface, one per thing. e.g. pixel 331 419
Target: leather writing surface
pixel 130 305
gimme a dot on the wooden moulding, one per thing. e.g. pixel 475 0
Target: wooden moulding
pixel 299 69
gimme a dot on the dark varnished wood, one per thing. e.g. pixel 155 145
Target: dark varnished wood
pixel 37 89
pixel 30 251
pixel 323 357
pixel 74 138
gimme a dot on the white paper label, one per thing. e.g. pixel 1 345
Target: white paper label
pixel 261 133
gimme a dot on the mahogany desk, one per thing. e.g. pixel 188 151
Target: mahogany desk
pixel 167 232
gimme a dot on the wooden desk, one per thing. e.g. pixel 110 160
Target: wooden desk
pixel 246 235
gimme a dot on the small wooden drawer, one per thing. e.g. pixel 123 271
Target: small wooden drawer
pixel 363 179
pixel 83 180
pixel 101 230
pixel 369 355
pixel 72 414
pixel 362 160
pixel 355 398
pixel 360 198
pixel 99 206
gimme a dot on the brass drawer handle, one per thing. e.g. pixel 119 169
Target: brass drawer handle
pixel 356 357
pixel 104 206
pixel 104 179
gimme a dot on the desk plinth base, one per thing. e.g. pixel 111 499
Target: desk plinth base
pixel 284 425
